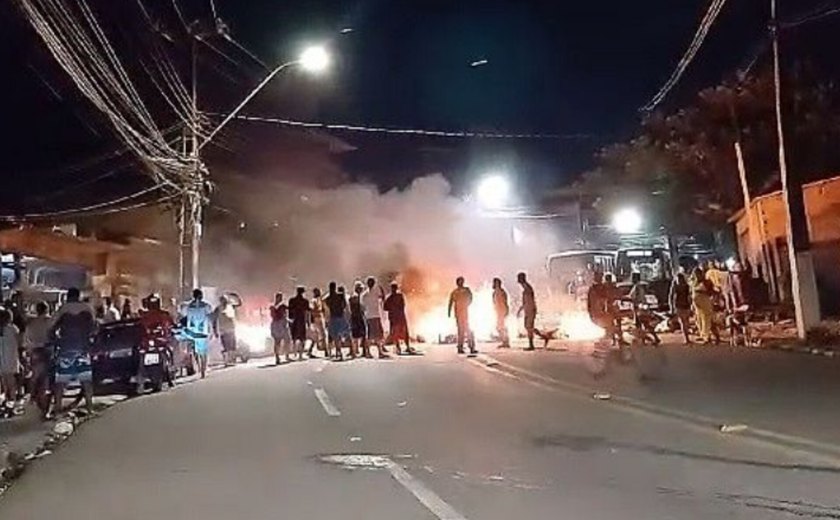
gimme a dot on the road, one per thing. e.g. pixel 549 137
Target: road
pixel 452 440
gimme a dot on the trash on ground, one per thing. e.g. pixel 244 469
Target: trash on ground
pixel 733 428
pixel 63 428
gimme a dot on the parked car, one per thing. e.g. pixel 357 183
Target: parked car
pixel 126 358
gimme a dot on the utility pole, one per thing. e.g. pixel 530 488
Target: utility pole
pixel 803 280
pixel 190 220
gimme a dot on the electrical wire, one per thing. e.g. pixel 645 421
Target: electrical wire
pixel 824 11
pixel 699 37
pixel 180 15
pixel 403 131
pixel 100 208
pixel 83 50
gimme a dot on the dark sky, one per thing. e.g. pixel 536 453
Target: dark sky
pixel 560 67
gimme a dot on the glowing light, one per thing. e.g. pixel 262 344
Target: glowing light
pixel 435 324
pixel 627 221
pixel 731 263
pixel 577 326
pixel 315 59
pixel 493 191
pixel 255 337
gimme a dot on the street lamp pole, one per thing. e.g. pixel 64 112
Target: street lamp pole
pixel 313 59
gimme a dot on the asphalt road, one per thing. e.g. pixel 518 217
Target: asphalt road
pixel 452 440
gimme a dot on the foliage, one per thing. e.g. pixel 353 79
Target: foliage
pixel 683 164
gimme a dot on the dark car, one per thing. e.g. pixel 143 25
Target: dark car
pixel 123 352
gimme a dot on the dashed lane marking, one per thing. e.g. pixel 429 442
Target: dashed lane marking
pixel 331 409
pixel 430 500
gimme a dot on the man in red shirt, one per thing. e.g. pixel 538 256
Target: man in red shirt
pixel 158 323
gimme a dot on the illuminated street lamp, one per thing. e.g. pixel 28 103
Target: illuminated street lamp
pixel 314 59
pixel 627 221
pixel 493 191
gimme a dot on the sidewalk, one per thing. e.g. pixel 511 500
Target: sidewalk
pixel 763 389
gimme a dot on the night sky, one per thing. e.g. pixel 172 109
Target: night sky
pixel 559 67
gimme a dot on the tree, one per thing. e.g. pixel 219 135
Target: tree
pixel 684 165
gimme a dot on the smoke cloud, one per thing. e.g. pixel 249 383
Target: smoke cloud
pixel 273 236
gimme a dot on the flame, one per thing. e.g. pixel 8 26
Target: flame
pixel 577 326
pixel 256 337
pixel 434 324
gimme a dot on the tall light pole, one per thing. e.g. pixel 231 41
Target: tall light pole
pixel 313 59
pixel 802 278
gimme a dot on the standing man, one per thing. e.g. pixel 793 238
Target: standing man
pixel 528 308
pixel 460 301
pixel 395 307
pixel 338 328
pixel 299 316
pixel 199 319
pixel 372 301
pixel 110 313
pixel 36 343
pixel 319 324
pixel 502 308
pixel 280 332
pixel 224 326
pixel 74 326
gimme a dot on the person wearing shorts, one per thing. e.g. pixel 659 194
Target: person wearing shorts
pixel 358 325
pixel 299 317
pixel 318 323
pixel 372 299
pixel 74 325
pixel 280 330
pixel 224 326
pixel 395 307
pixel 338 328
pixel 198 327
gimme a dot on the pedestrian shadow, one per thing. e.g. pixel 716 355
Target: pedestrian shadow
pixel 275 365
pixel 584 443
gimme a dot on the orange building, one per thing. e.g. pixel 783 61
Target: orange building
pixel 767 244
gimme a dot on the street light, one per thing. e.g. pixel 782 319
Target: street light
pixel 627 221
pixel 314 59
pixel 493 191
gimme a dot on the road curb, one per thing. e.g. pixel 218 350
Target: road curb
pixel 830 453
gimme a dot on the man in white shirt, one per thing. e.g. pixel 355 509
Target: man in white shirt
pixel 372 300
pixel 110 312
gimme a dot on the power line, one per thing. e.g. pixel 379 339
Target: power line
pixel 404 131
pixel 699 37
pixel 101 208
pixel 824 11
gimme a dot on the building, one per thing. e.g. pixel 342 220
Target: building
pixel 45 260
pixel 767 246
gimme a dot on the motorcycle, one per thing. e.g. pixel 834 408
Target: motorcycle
pixel 155 360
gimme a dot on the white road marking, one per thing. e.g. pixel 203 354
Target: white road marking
pixel 331 409
pixel 436 505
pixel 426 496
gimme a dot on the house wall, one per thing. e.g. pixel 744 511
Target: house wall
pixel 822 204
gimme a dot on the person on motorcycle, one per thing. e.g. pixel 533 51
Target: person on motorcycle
pixel 641 314
pixel 158 324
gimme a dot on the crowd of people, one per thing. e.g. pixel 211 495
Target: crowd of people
pixel 696 302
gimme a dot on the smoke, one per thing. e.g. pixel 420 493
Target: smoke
pixel 271 236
